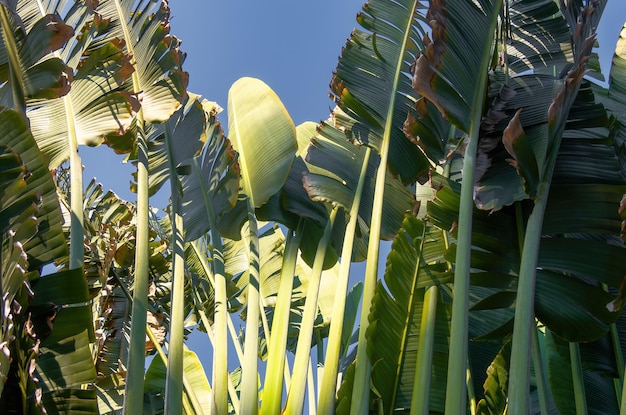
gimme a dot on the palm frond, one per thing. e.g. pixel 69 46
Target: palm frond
pixel 157 58
pixel 99 101
pixel 538 38
pixel 213 182
pixel 372 81
pixel 416 261
pixel 49 242
pixel 334 167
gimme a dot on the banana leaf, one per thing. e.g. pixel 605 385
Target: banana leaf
pixel 158 75
pixel 49 242
pixel 99 101
pixel 333 174
pixel 372 85
pixel 213 179
pixel 27 71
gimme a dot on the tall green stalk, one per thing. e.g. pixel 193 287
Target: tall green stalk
pixel 619 358
pixel 273 386
pixel 249 380
pixel 420 402
pixel 218 380
pixel 519 378
pixel 537 356
pixel 456 393
pixel 15 72
pixel 311 388
pixel 623 401
pixel 578 380
pixel 540 374
pixel 328 387
pixel 220 369
pixel 295 398
pixel 133 393
pixel 525 308
pixel 77 245
pixel 174 375
pixel 221 316
pixel 524 311
pixel 361 388
pixel 456 388
pixel 469 384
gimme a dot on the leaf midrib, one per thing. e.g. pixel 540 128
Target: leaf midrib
pixel 242 154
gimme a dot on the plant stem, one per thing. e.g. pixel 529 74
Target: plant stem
pixel 420 402
pixel 133 394
pixel 622 410
pixel 174 375
pixel 273 387
pixel 361 388
pixel 249 380
pixel 519 377
pixel 619 359
pixel 578 379
pixel 540 374
pixel 456 388
pixel 190 393
pixel 297 392
pixel 77 244
pixel 456 392
pixel 311 388
pixel 220 318
pixel 327 390
pixel 469 383
pixel 15 70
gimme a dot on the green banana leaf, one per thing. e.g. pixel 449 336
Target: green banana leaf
pixel 110 394
pixel 496 384
pixel 582 314
pixel 66 362
pixel 292 204
pixel 213 179
pixel 27 71
pixel 74 401
pixel 259 124
pixel 372 85
pixel 539 38
pixel 99 101
pixel 194 373
pixel 187 130
pixel 600 393
pixel 334 165
pixel 49 242
pixel 447 71
pixel 416 261
pixel 158 74
pixel 498 182
pixel 18 208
